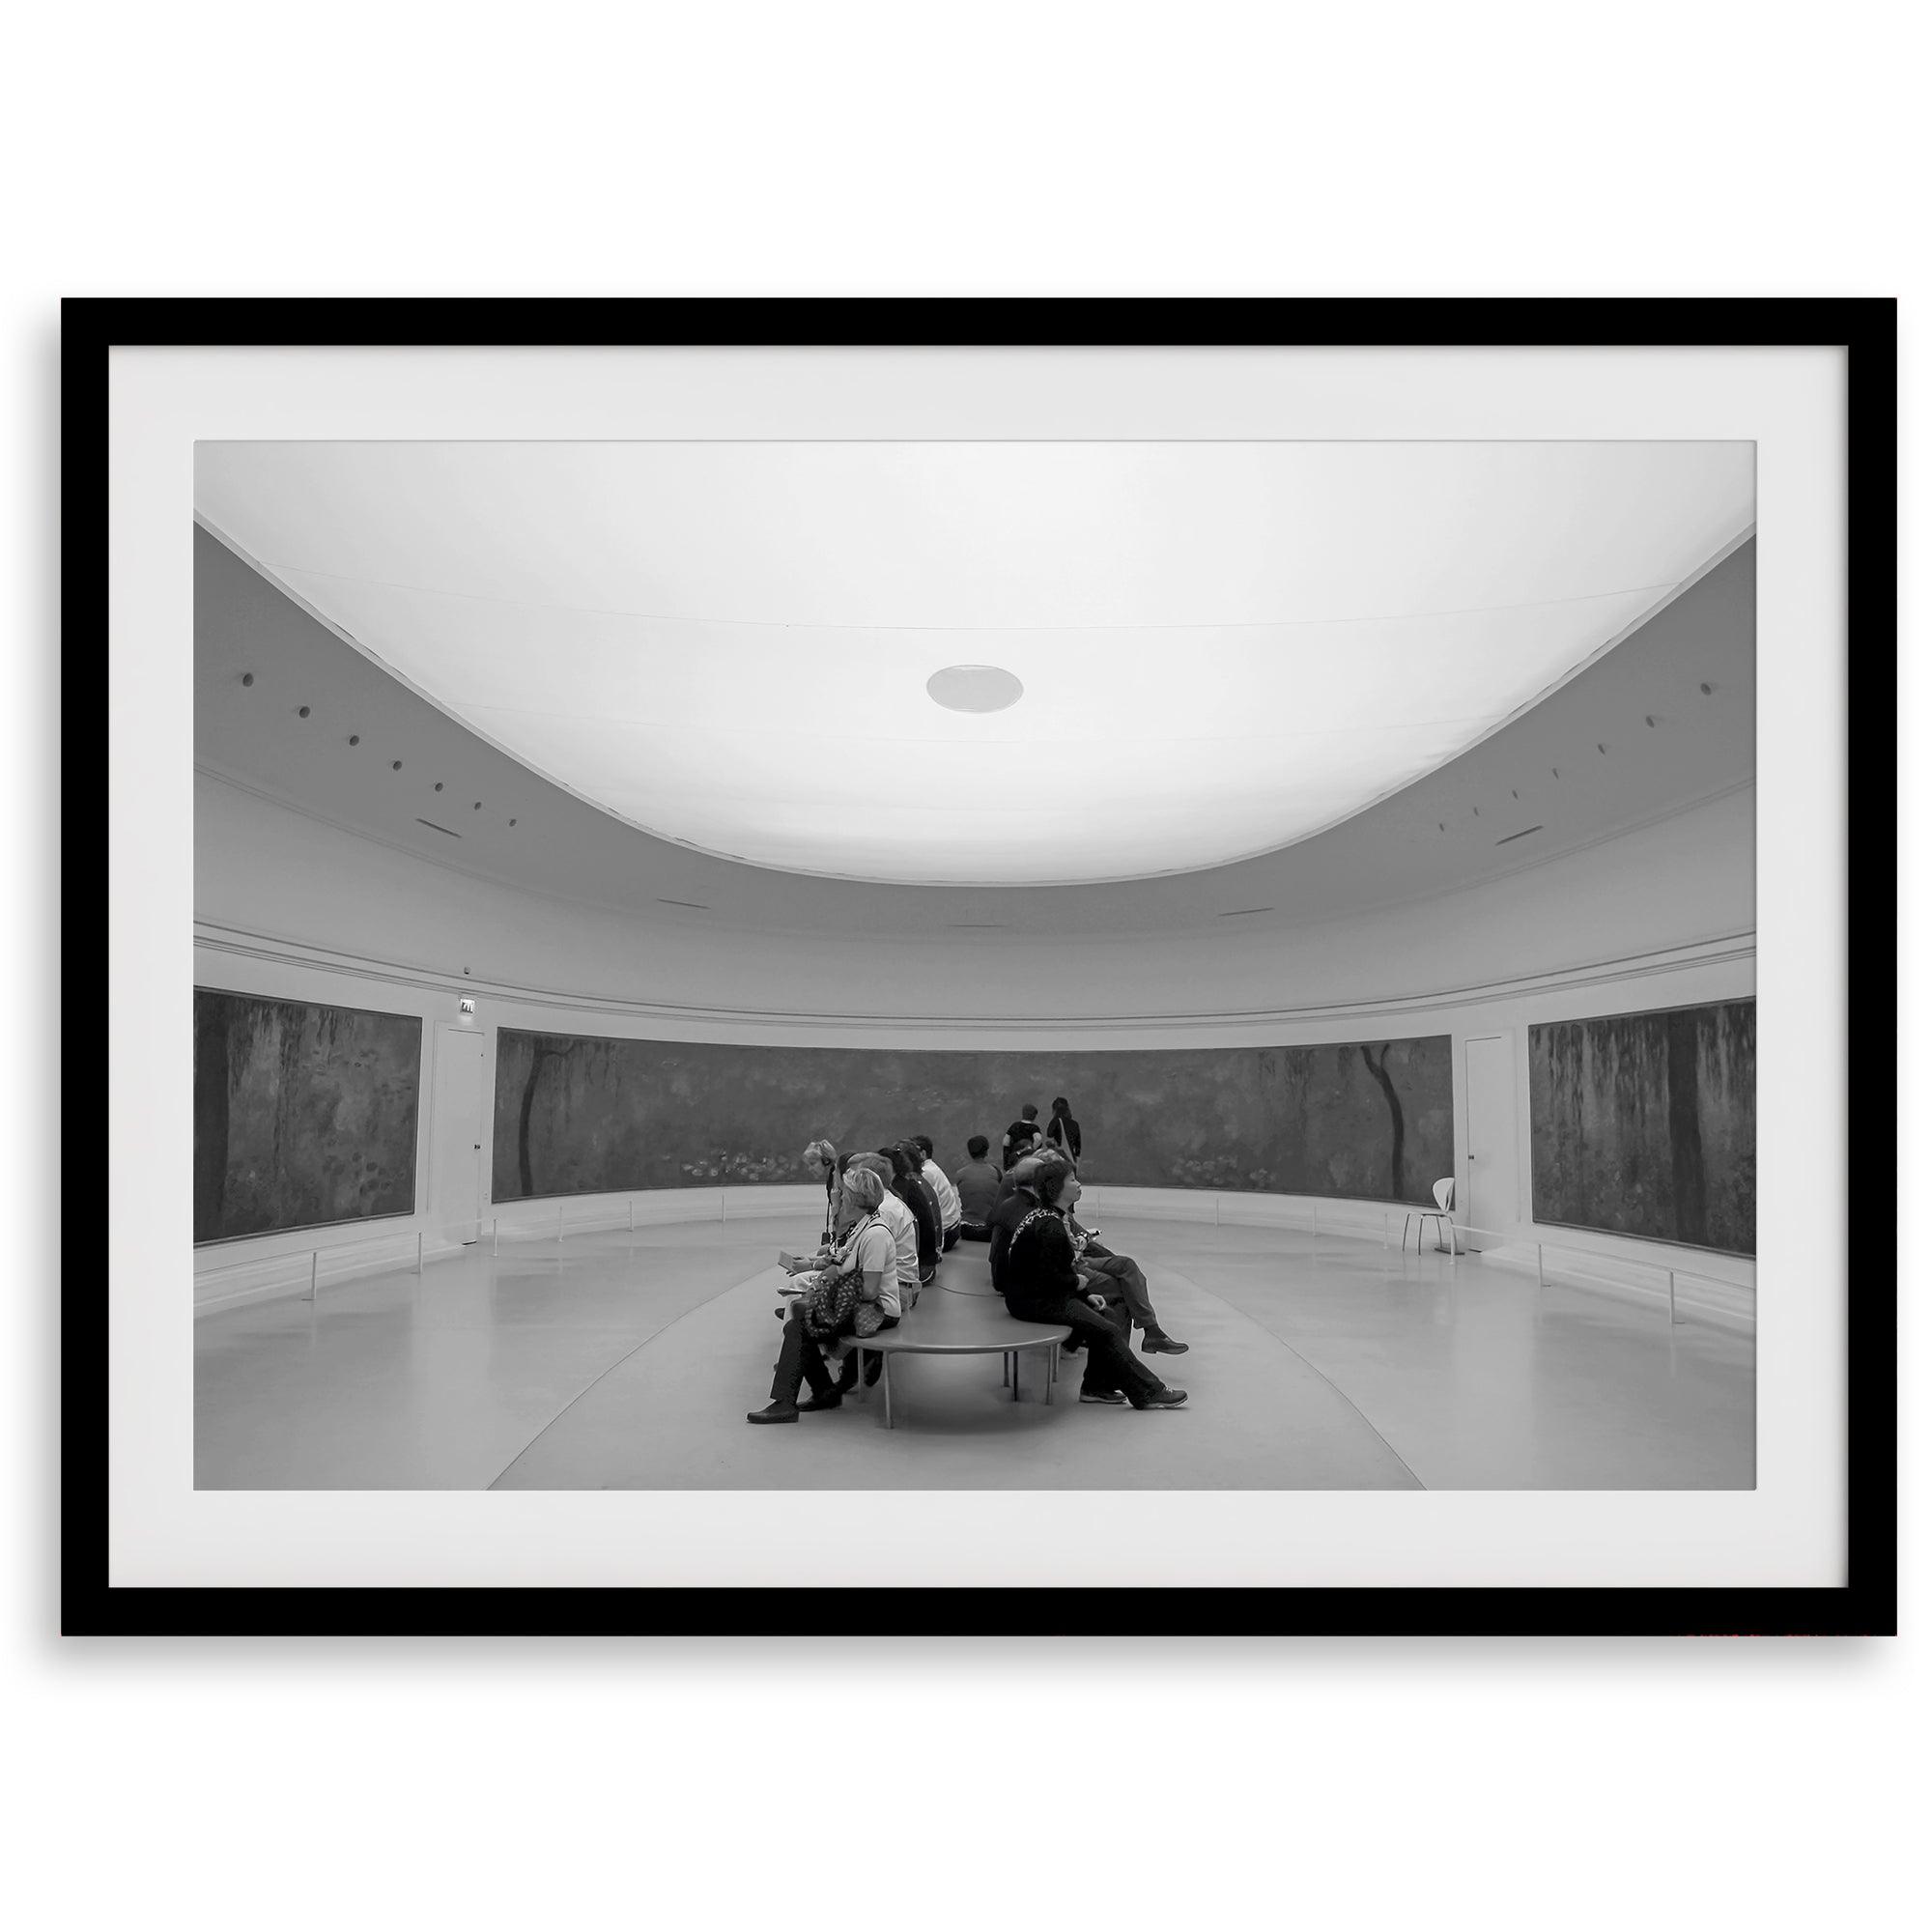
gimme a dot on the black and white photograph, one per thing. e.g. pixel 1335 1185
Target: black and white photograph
pixel 974 965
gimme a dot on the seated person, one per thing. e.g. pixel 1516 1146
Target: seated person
pixel 912 1188
pixel 934 1177
pixel 1017 1200
pixel 978 1183
pixel 821 1162
pixel 1117 1278
pixel 904 1181
pixel 899 1218
pixel 1103 1270
pixel 1041 1282
pixel 869 1248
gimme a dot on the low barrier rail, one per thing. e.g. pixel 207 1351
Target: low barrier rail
pixel 322 1258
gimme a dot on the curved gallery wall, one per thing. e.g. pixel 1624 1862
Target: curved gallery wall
pixel 1352 1121
pixel 294 912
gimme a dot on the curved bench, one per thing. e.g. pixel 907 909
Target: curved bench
pixel 947 1323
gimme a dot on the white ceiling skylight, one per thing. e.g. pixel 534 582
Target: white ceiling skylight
pixel 986 663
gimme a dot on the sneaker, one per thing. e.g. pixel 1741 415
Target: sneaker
pixel 812 1403
pixel 779 1411
pixel 1164 1398
pixel 1156 1343
pixel 1112 1396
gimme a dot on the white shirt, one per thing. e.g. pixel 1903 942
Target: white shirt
pixel 897 1216
pixel 873 1249
pixel 949 1196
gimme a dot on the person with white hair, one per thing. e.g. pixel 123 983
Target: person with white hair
pixel 853 1292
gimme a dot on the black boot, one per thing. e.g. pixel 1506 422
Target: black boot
pixel 779 1411
pixel 1158 1341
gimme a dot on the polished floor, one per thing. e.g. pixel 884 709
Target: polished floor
pixel 620 1361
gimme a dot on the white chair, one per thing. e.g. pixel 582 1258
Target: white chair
pixel 1444 1192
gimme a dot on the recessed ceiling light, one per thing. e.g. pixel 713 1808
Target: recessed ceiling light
pixel 974 688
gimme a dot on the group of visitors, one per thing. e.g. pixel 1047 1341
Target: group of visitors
pixel 1026 1136
pixel 891 1214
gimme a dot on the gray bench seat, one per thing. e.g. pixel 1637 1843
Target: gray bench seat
pixel 947 1322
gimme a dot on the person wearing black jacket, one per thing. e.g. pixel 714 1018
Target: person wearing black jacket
pixel 1019 1135
pixel 916 1191
pixel 1064 1130
pixel 1041 1282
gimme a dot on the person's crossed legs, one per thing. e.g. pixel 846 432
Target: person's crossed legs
pixel 1123 1274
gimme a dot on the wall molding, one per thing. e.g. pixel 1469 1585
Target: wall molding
pixel 279 950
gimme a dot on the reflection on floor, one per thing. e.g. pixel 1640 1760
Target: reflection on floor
pixel 629 1361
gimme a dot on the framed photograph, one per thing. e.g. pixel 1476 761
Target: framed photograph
pixel 1147 965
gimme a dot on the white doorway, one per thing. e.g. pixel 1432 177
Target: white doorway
pixel 456 1135
pixel 1491 1200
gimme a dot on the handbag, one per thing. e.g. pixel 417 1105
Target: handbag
pixel 830 1304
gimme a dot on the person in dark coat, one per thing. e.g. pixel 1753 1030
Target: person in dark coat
pixel 912 1188
pixel 1064 1130
pixel 1041 1281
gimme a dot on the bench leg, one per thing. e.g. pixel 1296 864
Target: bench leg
pixel 1052 1372
pixel 886 1377
pixel 1006 1365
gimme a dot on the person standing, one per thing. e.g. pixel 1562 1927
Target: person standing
pixel 1021 1135
pixel 1064 1130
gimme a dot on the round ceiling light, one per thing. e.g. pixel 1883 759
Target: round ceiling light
pixel 974 688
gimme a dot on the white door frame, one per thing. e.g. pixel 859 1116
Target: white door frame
pixel 1505 1037
pixel 438 1119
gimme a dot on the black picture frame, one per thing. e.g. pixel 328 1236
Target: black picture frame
pixel 1864 327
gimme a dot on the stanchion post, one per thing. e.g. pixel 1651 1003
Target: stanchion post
pixel 1672 1273
pixel 630 1207
pixel 314 1268
pixel 559 1224
pixel 419 1253
pixel 1539 1265
pixel 492 1237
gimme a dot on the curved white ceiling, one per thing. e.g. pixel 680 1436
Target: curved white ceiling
pixel 1224 647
